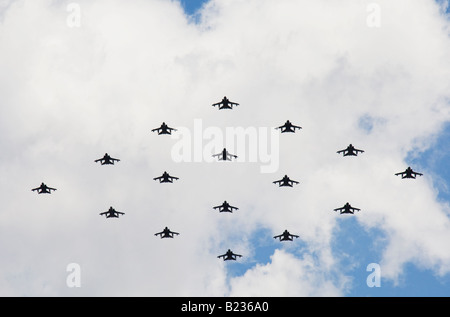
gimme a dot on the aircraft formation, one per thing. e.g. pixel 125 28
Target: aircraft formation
pixel 224 155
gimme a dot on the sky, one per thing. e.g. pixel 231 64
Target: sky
pixel 84 78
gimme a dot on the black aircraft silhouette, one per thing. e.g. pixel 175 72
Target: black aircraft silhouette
pixel 285 181
pixel 286 236
pixel 350 151
pixel 229 256
pixel 43 189
pixel 225 104
pixel 347 209
pixel 112 213
pixel 164 129
pixel 165 178
pixel 224 155
pixel 166 233
pixel 288 127
pixel 107 160
pixel 408 173
pixel 226 207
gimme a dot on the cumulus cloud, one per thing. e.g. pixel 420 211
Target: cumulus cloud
pixel 286 275
pixel 71 93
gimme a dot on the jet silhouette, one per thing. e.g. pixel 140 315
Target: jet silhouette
pixel 165 178
pixel 164 129
pixel 350 151
pixel 226 207
pixel 285 181
pixel 107 160
pixel 408 173
pixel 166 233
pixel 225 104
pixel 229 255
pixel 286 236
pixel 347 209
pixel 112 213
pixel 43 189
pixel 288 127
pixel 224 155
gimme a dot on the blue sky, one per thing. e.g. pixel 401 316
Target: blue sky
pixel 191 6
pixel 361 246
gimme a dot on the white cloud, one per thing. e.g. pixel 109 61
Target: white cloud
pixel 286 275
pixel 68 95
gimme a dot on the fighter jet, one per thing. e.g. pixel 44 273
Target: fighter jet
pixel 229 256
pixel 285 181
pixel 347 209
pixel 165 178
pixel 225 207
pixel 164 129
pixel 112 213
pixel 408 173
pixel 166 233
pixel 225 155
pixel 225 104
pixel 286 236
pixel 43 189
pixel 288 127
pixel 107 160
pixel 350 151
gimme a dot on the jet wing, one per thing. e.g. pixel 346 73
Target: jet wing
pixel 289 181
pixel 228 209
